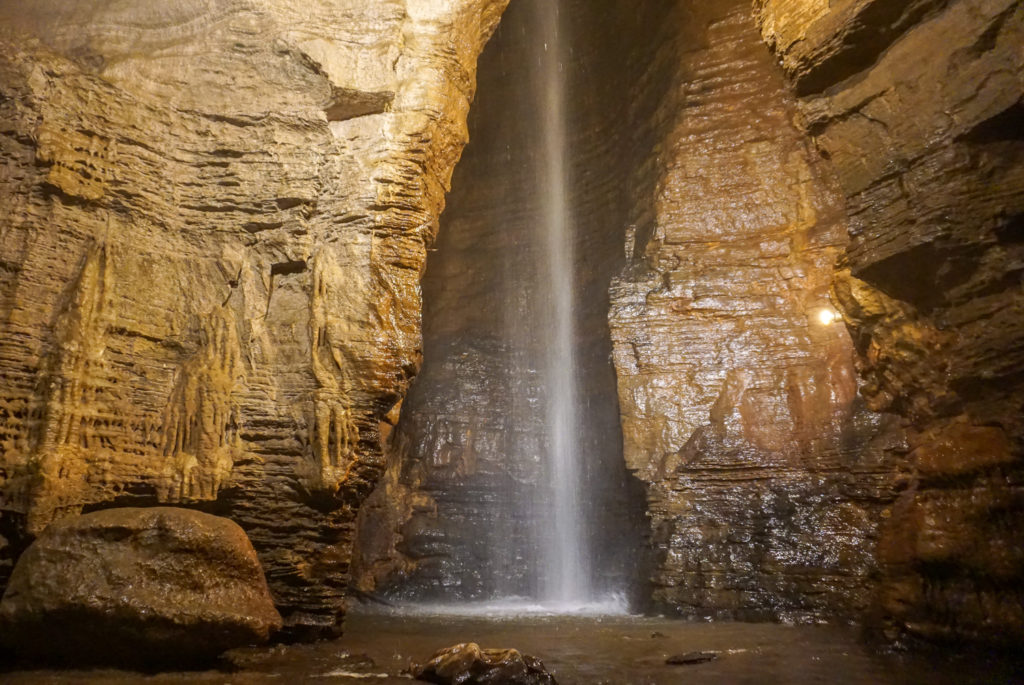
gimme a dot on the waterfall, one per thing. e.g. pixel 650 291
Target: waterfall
pixel 563 555
pixel 521 529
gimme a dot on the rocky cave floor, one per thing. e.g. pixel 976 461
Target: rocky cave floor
pixel 620 650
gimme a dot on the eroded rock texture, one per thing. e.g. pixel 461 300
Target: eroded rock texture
pixel 468 477
pixel 918 105
pixel 767 476
pixel 161 585
pixel 215 216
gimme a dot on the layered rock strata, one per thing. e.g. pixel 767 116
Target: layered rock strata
pixel 468 478
pixel 215 217
pixel 767 477
pixel 918 105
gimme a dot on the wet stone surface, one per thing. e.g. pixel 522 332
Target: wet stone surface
pixel 134 586
pixel 916 105
pixel 206 296
pixel 468 664
pixel 764 472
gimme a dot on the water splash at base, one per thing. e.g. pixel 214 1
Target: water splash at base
pixel 517 607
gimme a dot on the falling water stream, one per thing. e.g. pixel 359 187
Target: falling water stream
pixel 534 549
pixel 563 554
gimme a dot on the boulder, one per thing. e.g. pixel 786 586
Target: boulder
pixel 467 664
pixel 138 587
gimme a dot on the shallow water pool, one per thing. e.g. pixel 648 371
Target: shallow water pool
pixel 591 650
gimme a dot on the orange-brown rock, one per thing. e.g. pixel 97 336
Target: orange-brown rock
pixel 766 474
pixel 139 587
pixel 917 103
pixel 215 217
pixel 467 664
pixel 767 478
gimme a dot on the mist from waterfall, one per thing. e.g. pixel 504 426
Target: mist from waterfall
pixel 565 580
pixel 517 447
pixel 540 328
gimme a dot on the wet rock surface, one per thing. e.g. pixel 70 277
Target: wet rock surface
pixel 917 105
pixel 467 480
pixel 793 470
pixel 766 476
pixel 137 587
pixel 215 217
pixel 468 664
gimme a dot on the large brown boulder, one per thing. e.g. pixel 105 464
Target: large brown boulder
pixel 138 587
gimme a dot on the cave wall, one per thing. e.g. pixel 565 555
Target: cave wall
pixel 215 217
pixel 456 460
pixel 767 476
pixel 918 106
pixel 791 470
pixel 472 429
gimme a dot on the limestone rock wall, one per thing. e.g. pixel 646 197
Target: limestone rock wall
pixel 440 529
pixel 466 454
pixel 214 220
pixel 918 105
pixel 767 477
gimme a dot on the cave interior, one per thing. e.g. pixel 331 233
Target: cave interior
pixel 380 320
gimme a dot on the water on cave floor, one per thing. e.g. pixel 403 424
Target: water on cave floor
pixel 623 650
pixel 510 608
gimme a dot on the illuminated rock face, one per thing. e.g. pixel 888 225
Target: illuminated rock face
pixel 766 475
pixel 160 585
pixel 790 470
pixel 924 127
pixel 215 217
pixel 763 473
